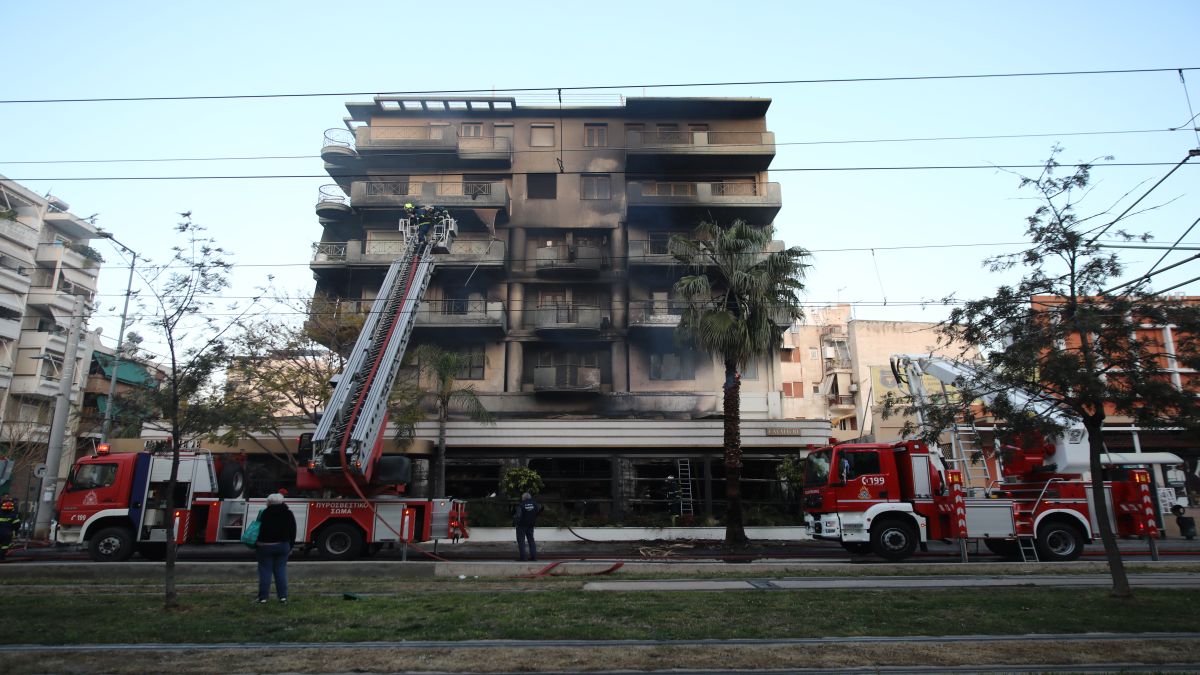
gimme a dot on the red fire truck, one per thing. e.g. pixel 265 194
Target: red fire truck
pixel 889 498
pixel 117 503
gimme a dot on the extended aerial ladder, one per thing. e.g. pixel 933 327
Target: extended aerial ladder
pixel 347 446
pixel 1066 454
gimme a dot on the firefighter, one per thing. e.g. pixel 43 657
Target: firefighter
pixel 9 519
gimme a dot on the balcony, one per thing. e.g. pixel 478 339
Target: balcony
pixel 566 379
pixel 655 315
pixel 19 232
pixel 832 365
pixel 14 276
pixel 60 303
pixel 655 252
pixel 486 319
pixel 332 203
pixel 463 253
pixel 472 252
pixel 842 402
pixel 338 147
pixel 463 194
pixel 690 202
pixel 423 137
pixel 490 150
pixel 50 254
pixel 699 150
pixel 568 320
pixel 563 261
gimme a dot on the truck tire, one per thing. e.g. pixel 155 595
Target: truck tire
pixel 893 539
pixel 153 550
pixel 857 547
pixel 1005 548
pixel 1059 541
pixel 340 541
pixel 111 544
pixel 231 484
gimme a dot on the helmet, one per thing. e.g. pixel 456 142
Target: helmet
pixel 8 503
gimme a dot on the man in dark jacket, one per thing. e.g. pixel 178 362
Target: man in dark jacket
pixel 9 520
pixel 276 533
pixel 525 518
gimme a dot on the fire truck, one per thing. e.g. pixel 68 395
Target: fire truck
pixel 890 498
pixel 116 503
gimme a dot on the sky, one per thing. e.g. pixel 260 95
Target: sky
pixel 891 242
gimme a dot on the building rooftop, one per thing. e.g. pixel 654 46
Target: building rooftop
pixel 491 106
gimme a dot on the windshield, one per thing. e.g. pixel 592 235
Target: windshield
pixel 816 468
pixel 92 476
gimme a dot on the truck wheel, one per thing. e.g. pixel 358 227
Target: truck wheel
pixel 111 544
pixel 1059 541
pixel 340 542
pixel 893 539
pixel 1005 548
pixel 231 484
pixel 153 550
pixel 857 547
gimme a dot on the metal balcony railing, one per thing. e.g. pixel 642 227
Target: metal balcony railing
pixel 338 138
pixel 329 251
pixel 332 194
pixel 841 399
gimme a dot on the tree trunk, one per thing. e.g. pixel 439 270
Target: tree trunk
pixel 735 530
pixel 1116 566
pixel 439 455
pixel 171 600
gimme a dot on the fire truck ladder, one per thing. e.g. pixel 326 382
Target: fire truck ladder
pixel 357 411
pixel 686 504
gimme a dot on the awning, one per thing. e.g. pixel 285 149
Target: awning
pixel 1138 458
pixel 127 372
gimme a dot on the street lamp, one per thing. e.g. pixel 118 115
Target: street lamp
pixel 112 383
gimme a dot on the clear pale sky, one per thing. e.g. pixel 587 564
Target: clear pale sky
pixel 130 49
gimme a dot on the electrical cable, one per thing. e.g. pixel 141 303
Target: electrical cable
pixel 531 151
pixel 493 90
pixel 934 167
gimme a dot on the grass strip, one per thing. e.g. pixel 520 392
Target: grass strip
pixel 223 614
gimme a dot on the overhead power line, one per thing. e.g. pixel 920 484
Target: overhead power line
pixel 361 177
pixel 416 154
pixel 516 90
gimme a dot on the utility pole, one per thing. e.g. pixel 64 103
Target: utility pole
pixel 116 364
pixel 58 428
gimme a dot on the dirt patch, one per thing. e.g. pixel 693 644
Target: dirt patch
pixel 1148 652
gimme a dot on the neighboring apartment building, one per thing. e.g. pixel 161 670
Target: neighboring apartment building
pixel 130 377
pixel 560 283
pixel 47 273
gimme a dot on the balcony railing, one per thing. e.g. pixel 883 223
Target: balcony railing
pixel 566 378
pixel 841 400
pixel 729 141
pixel 656 314
pixel 578 258
pixel 423 136
pixel 461 313
pixel 329 251
pixel 568 317
pixel 837 364
pixel 466 194
pixel 332 202
pixel 651 252
pixel 485 147
pixel 687 194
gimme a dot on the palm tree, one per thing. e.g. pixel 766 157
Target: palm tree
pixel 443 367
pixel 739 298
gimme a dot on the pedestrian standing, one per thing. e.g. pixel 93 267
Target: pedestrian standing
pixel 524 519
pixel 276 534
pixel 9 520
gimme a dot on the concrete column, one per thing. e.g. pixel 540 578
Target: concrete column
pixel 516 250
pixel 516 306
pixel 513 352
pixel 620 305
pixel 619 252
pixel 620 366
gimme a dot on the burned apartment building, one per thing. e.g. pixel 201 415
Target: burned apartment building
pixel 560 284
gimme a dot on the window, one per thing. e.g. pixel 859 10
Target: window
pixel 595 135
pixel 541 186
pixel 672 366
pixel 93 476
pixel 660 243
pixel 471 130
pixel 848 424
pixel 473 369
pixel 541 135
pixel 816 388
pixel 855 464
pixel 594 186
pixel 750 370
pixel 813 354
pixel 793 390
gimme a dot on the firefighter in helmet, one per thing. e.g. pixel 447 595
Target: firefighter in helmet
pixel 9 519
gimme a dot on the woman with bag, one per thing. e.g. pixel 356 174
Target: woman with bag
pixel 276 533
